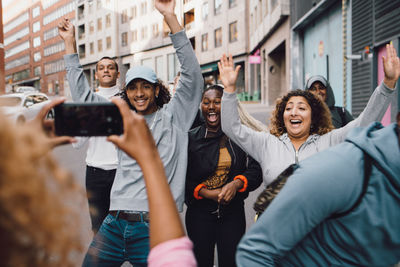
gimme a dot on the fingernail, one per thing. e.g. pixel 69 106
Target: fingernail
pixel 391 42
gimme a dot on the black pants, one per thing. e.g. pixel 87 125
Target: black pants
pixel 98 188
pixel 206 230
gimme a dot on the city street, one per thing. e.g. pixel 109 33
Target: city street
pixel 74 161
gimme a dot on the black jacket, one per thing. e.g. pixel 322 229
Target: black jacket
pixel 340 115
pixel 203 160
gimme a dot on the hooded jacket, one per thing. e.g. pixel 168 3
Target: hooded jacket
pixel 340 115
pixel 276 153
pixel 299 227
pixel 203 155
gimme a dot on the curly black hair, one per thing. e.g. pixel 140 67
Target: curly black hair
pixel 321 122
pixel 163 96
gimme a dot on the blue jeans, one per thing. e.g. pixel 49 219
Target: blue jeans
pixel 118 241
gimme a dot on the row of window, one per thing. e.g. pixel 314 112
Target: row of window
pixel 233 37
pixel 133 12
pixel 16 49
pixel 58 13
pixel 20 19
pixel 54 66
pixel 16 36
pixel 53 49
pixel 91 47
pixel 17 62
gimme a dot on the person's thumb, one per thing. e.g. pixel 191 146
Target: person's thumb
pixel 115 139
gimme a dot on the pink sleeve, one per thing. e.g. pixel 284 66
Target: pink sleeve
pixel 175 253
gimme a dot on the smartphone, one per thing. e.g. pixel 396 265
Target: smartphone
pixel 87 119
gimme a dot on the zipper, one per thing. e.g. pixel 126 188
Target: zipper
pixel 233 151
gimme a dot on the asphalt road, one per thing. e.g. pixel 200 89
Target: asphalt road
pixel 74 161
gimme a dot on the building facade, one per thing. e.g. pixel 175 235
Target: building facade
pixel 33 50
pixel 344 41
pixel 269 49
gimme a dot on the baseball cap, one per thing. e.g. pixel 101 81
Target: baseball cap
pixel 316 78
pixel 140 72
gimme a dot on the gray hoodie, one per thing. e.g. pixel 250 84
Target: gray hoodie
pixel 169 126
pixel 340 115
pixel 276 153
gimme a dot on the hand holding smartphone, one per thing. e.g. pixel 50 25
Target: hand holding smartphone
pixel 87 119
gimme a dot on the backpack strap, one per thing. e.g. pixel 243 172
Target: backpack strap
pixel 368 161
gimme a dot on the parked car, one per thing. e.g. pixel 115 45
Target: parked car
pixel 20 107
pixel 26 89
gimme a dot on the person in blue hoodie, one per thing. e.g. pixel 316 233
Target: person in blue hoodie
pixel 340 207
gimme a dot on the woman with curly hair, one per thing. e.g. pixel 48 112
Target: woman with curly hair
pixel 40 203
pixel 301 124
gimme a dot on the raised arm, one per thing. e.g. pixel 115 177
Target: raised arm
pixel 186 101
pixel 80 89
pixel 379 100
pixel 249 140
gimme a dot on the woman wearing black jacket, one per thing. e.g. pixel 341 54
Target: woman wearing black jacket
pixel 220 176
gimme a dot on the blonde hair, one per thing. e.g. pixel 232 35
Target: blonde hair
pixel 39 204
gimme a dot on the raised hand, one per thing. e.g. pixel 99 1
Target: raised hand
pixel 45 128
pixel 391 66
pixel 66 30
pixel 228 73
pixel 136 140
pixel 165 7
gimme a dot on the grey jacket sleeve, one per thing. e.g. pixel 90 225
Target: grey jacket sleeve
pixel 186 101
pixel 79 86
pixel 374 111
pixel 304 203
pixel 251 141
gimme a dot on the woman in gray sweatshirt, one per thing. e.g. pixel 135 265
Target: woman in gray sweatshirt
pixel 299 133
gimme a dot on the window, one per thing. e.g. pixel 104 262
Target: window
pixel 23 74
pixel 99 5
pixel 147 62
pixel 17 62
pixel 53 67
pixel 124 39
pixel 36 26
pixel 143 8
pixel 233 34
pixel 22 18
pixel 144 33
pixel 155 30
pixel 160 67
pixel 108 42
pixel 91 46
pixel 59 12
pixel 218 37
pixel 36 41
pixel 37 71
pixel 100 45
pixel 37 56
pixel 91 27
pixel 204 42
pixel 35 12
pixel 204 11
pixel 173 66
pixel 99 24
pixel 133 12
pixel 108 20
pixel 124 16
pixel 217 6
pixel 53 49
pixel 81 51
pixel 16 49
pixel 232 3
pixel 134 35
pixel 16 36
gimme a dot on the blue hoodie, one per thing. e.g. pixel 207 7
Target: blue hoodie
pixel 298 228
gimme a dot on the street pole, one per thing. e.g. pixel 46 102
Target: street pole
pixel 2 72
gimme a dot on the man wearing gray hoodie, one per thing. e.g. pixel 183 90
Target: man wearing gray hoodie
pixel 319 86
